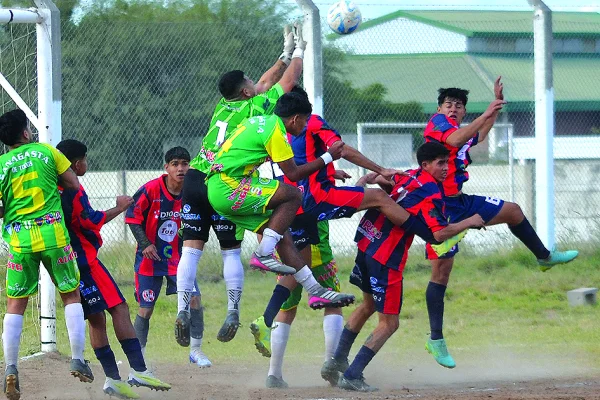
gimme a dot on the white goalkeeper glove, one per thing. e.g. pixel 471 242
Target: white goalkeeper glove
pixel 299 41
pixel 288 45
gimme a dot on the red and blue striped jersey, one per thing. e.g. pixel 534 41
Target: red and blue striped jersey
pixel 420 194
pixel 158 211
pixel 438 129
pixel 312 143
pixel 83 223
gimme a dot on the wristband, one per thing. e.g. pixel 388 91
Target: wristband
pixel 298 53
pixel 286 58
pixel 326 157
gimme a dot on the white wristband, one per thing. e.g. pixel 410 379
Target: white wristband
pixel 286 58
pixel 298 53
pixel 327 158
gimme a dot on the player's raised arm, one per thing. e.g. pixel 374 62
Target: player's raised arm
pixel 489 123
pixel 274 74
pixel 292 74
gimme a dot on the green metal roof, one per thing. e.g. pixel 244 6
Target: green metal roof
pixel 496 23
pixel 417 77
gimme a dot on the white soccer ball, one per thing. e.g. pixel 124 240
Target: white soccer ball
pixel 344 17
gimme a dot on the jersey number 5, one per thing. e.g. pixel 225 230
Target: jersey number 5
pixel 36 194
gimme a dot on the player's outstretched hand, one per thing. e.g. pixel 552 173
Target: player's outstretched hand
pixel 336 150
pixel 123 202
pixel 299 42
pixel 388 173
pixel 341 175
pixel 151 253
pixel 494 106
pixel 368 179
pixel 476 221
pixel 498 88
pixel 288 45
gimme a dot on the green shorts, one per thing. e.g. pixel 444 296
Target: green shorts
pixel 23 271
pixel 326 275
pixel 242 202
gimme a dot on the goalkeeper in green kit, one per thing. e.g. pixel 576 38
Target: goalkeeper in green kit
pixel 242 99
pixel 34 228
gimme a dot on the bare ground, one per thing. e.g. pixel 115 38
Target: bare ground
pixel 509 377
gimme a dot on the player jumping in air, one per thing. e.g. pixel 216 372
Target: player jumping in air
pixel 34 228
pixel 154 220
pixel 382 254
pixel 444 127
pixel 242 98
pixel 99 292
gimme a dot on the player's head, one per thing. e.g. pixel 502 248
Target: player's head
pixel 76 152
pixel 452 102
pixel 177 163
pixel 235 85
pixel 14 128
pixel 294 109
pixel 300 90
pixel 433 158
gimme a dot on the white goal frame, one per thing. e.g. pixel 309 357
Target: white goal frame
pixel 46 17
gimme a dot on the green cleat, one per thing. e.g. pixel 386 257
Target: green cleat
pixel 439 351
pixel 262 336
pixel 557 257
pixel 147 379
pixel 448 244
pixel 119 389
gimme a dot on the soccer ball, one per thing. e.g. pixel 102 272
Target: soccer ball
pixel 344 17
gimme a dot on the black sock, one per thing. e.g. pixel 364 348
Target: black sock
pixel 362 359
pixel 347 339
pixel 107 359
pixel 197 323
pixel 133 352
pixel 417 227
pixel 280 295
pixel 434 295
pixel 526 234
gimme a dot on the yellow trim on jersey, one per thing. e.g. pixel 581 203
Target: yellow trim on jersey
pixel 278 147
pixel 62 162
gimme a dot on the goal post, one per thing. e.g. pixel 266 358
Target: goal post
pixel 46 119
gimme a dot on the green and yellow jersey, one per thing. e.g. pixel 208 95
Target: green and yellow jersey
pixel 33 219
pixel 226 118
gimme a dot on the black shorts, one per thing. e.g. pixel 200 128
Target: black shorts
pixel 304 231
pixel 197 215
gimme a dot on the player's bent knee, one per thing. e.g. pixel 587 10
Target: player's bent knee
pixel 146 312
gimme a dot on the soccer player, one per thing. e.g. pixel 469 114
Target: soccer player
pixel 98 290
pixel 444 127
pixel 35 231
pixel 154 220
pixel 323 200
pixel 382 254
pixel 242 98
pixel 324 269
pixel 265 205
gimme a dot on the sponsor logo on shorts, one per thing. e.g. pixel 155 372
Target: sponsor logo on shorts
pixel 168 251
pixel 186 208
pixel 377 289
pixel 148 295
pixel 217 217
pixel 168 231
pixel 240 192
pixel 377 298
pixel 256 190
pixel 71 255
pixel 14 266
pixel 185 225
pixel 330 273
pixel 221 227
pixel 86 291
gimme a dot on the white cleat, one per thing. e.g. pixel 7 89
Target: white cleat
pixel 199 358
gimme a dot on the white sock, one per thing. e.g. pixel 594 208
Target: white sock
pixel 233 274
pixel 11 338
pixel 279 339
pixel 195 344
pixel 333 325
pixel 75 329
pixel 306 278
pixel 268 243
pixel 186 275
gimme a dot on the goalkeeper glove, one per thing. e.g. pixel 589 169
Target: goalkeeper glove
pixel 299 41
pixel 288 45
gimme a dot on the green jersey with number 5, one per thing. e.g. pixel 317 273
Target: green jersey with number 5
pixel 33 220
pixel 227 116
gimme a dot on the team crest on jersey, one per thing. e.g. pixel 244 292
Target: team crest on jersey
pixel 264 181
pixel 148 295
pixel 17 227
pixel 39 221
pixel 434 213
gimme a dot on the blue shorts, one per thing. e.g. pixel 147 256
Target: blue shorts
pixel 459 208
pixel 98 289
pixel 383 283
pixel 304 231
pixel 147 288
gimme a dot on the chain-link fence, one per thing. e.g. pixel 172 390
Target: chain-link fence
pixel 141 78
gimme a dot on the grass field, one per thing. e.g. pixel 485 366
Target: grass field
pixel 497 304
